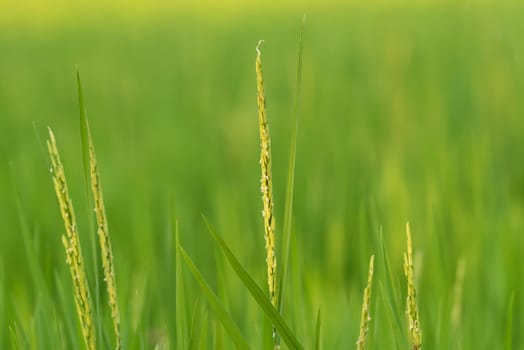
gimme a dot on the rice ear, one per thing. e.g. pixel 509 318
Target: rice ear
pixel 366 303
pixel 266 187
pixel 415 332
pixel 71 243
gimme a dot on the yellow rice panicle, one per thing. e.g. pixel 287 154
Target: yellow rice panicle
pixel 71 243
pixel 365 314
pixel 415 331
pixel 105 242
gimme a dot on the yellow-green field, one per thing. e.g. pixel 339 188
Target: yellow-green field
pixel 406 113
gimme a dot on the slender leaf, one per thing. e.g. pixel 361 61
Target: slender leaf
pixel 257 293
pixel 215 304
pixel 509 324
pixel 391 313
pixel 66 305
pixel 84 137
pixel 392 297
pixel 317 336
pixel 2 301
pixel 83 127
pixel 180 311
pixel 32 258
pixel 288 208
pixel 203 331
pixel 14 331
pixel 192 341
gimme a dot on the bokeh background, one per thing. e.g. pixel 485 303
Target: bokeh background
pixel 409 111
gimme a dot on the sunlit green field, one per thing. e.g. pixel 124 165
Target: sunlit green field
pixel 406 114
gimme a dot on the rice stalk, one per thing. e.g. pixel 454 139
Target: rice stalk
pixel 412 308
pixel 266 187
pixel 365 314
pixel 71 243
pixel 105 241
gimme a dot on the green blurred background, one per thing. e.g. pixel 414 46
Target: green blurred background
pixel 409 111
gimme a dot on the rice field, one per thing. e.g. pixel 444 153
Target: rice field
pixel 407 113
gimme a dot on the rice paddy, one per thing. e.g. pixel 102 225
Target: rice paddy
pixel 386 116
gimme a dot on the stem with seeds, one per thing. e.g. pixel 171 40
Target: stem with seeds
pixel 71 243
pixel 105 242
pixel 266 187
pixel 412 307
pixel 365 314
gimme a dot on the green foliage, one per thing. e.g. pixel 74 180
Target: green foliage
pixel 215 304
pixel 408 113
pixel 257 293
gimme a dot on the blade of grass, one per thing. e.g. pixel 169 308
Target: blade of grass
pixel 203 331
pixel 66 305
pixel 391 296
pixel 2 302
pixel 180 311
pixel 84 129
pixel 509 324
pixel 223 288
pixel 14 333
pixel 192 331
pixel 391 315
pixel 288 207
pixel 32 259
pixel 59 325
pixel 317 335
pixel 41 146
pixel 22 331
pixel 215 304
pixel 257 293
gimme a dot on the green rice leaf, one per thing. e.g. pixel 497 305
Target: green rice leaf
pixel 83 128
pixel 31 254
pixel 230 327
pixel 319 324
pixel 260 297
pixel 181 314
pixel 192 342
pixel 509 323
pixel 2 300
pixel 288 208
pixel 391 296
pixel 203 331
pixel 85 140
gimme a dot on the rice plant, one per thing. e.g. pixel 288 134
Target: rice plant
pixel 101 219
pixel 266 187
pixel 71 243
pixel 415 332
pixel 365 315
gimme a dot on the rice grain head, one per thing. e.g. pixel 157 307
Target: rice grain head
pixel 365 314
pixel 266 185
pixel 71 243
pixel 412 308
pixel 105 242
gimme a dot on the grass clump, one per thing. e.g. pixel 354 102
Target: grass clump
pixel 71 243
